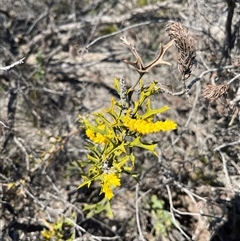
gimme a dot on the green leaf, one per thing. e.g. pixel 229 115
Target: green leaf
pixel 156 203
pixel 116 148
pixel 103 205
pixel 151 112
pixel 116 85
pixel 92 158
pixel 150 147
pixel 120 165
pixel 86 182
pixel 112 111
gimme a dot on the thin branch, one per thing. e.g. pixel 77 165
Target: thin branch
pixel 188 120
pixel 3 124
pixel 22 147
pixel 12 65
pixel 175 222
pixel 225 170
pixel 188 192
pixel 226 144
pixel 233 79
pixel 39 18
pixel 209 71
pixel 117 32
pixel 194 81
pixel 141 237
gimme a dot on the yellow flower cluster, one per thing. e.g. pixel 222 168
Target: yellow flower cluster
pixel 54 231
pixel 98 137
pixel 147 127
pixel 109 180
pixel 47 234
pixel 95 137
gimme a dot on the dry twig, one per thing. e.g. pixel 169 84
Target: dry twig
pixel 173 216
pixel 138 64
pixel 12 65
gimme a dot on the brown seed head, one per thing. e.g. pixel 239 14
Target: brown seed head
pixel 213 92
pixel 186 48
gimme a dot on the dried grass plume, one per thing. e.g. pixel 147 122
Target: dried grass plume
pixel 213 92
pixel 186 48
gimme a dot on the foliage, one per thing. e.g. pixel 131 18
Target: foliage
pixel 58 230
pixel 161 218
pixel 40 73
pixel 115 132
pixel 99 207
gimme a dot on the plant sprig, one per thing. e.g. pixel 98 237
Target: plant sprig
pixel 115 133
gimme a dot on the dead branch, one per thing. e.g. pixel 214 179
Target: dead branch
pixel 138 64
pixel 12 65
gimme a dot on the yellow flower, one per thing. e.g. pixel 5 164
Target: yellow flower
pixel 93 137
pixel 47 234
pixel 109 181
pixel 166 125
pixel 148 127
pixel 98 137
pixel 90 134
